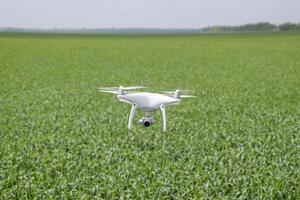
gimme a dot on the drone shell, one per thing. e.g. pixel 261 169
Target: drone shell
pixel 148 101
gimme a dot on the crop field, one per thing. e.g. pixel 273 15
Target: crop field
pixel 60 138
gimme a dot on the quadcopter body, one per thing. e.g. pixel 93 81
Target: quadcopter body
pixel 146 101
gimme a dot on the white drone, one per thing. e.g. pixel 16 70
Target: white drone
pixel 147 101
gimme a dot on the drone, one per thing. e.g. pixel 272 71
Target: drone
pixel 147 101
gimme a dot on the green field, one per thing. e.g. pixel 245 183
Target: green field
pixel 240 138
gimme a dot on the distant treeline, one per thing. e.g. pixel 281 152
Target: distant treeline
pixel 262 26
pixel 104 30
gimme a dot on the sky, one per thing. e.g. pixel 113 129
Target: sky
pixel 144 13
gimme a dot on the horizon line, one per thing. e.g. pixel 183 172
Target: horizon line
pixel 154 28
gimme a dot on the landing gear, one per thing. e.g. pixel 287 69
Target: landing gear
pixel 147 120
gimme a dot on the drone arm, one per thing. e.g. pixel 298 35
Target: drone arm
pixel 162 107
pixel 132 113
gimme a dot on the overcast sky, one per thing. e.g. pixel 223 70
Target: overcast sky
pixel 144 13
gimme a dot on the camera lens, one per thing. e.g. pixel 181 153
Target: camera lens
pixel 147 123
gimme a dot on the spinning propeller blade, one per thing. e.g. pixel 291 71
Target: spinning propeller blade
pixel 133 87
pixel 119 90
pixel 178 93
pixel 181 91
pixel 108 88
pixel 124 88
pixel 187 96
pixel 109 91
pixel 167 92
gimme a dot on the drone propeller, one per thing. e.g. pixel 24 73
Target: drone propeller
pixel 134 87
pixel 119 90
pixel 108 88
pixel 124 88
pixel 187 96
pixel 179 93
pixel 109 91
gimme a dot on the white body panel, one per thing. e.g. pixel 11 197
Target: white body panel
pixel 148 101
